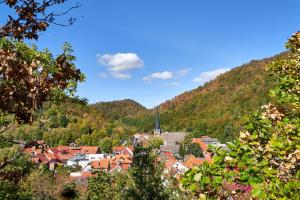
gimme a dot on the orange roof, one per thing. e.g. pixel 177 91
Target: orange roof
pixel 201 143
pixel 119 148
pixel 50 156
pixel 123 158
pixel 75 150
pixel 101 164
pixel 169 163
pixel 42 158
pixel 193 161
pixel 64 156
pixel 89 149
pixel 167 156
pixel 125 166
pixel 53 150
pixel 63 148
pixel 37 151
pixel 86 174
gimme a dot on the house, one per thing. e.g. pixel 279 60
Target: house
pixel 174 166
pixel 173 138
pixel 208 140
pixel 90 150
pixel 170 148
pixel 192 161
pixel 120 162
pixel 103 164
pixel 123 150
pixel 79 160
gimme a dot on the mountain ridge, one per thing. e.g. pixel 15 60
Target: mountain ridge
pixel 216 108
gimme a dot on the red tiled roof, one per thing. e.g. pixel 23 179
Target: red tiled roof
pixel 75 150
pixel 119 148
pixel 50 156
pixel 64 156
pixel 63 148
pixel 125 166
pixel 42 158
pixel 101 164
pixel 193 161
pixel 37 151
pixel 169 163
pixel 53 150
pixel 86 174
pixel 89 149
pixel 122 158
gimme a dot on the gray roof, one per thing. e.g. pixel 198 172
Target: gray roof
pixel 209 139
pixel 173 137
pixel 78 157
pixel 169 148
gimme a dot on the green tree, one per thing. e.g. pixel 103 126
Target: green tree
pixel 105 145
pixel 146 174
pixel 194 149
pixel 101 187
pixel 155 142
pixel 64 121
pixel 265 160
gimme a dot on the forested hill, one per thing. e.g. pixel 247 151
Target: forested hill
pixel 114 110
pixel 217 108
pixel 72 121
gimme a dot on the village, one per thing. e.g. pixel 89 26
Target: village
pixel 86 160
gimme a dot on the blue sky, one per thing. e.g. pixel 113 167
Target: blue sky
pixel 151 51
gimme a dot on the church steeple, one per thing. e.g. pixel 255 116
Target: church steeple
pixel 157 130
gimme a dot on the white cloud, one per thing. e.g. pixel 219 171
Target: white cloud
pixel 159 75
pixel 120 75
pixel 120 61
pixel 209 75
pixel 183 72
pixel 119 65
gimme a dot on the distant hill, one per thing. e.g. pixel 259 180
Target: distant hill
pixel 217 108
pixel 114 110
pixel 72 121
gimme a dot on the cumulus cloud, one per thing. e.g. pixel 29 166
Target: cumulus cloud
pixel 120 75
pixel 120 61
pixel 119 65
pixel 158 75
pixel 209 75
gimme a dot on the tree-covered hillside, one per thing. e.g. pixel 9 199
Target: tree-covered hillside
pixel 117 109
pixel 72 121
pixel 216 108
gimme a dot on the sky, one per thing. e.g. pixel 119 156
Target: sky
pixel 151 51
